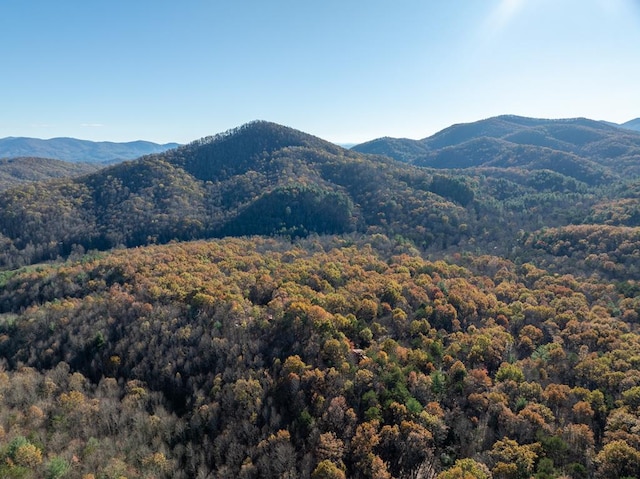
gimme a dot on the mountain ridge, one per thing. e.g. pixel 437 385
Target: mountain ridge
pixel 349 314
pixel 587 141
pixel 211 187
pixel 76 150
pixel 267 179
pixel 632 124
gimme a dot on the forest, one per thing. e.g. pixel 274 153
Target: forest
pixel 264 304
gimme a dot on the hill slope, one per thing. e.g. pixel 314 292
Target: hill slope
pixel 262 178
pixel 267 179
pixel 74 150
pixel 632 124
pixel 401 149
pixel 14 171
pixel 266 359
pixel 357 354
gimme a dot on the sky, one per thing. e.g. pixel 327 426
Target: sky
pixel 347 71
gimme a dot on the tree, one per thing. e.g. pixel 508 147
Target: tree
pixel 512 460
pixel 327 470
pixel 57 468
pixel 632 397
pixel 509 372
pixel 617 459
pixel 277 458
pixel 28 455
pixel 330 448
pixel 466 469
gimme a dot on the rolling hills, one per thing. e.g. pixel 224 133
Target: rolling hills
pixel 263 304
pixel 267 179
pixel 74 150
pixel 348 357
pixel 261 178
pixel 582 148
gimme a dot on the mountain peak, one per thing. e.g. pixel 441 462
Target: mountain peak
pixel 272 134
pixel 236 150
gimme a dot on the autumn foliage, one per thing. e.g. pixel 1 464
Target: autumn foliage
pixel 329 357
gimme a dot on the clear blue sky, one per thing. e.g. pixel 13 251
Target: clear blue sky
pixel 347 70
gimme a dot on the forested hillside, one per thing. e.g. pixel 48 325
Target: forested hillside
pixel 267 179
pixel 258 179
pixel 16 171
pixel 326 358
pixel 265 304
pixel 582 148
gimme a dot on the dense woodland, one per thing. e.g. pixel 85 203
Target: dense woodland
pixel 20 170
pixel 264 304
pixel 580 148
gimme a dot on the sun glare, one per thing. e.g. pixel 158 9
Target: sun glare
pixel 504 13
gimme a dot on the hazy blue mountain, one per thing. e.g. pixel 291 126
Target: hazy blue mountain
pixel 401 149
pixel 74 150
pixel 632 124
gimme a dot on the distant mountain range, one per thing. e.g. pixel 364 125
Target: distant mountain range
pixel 584 149
pixel 632 124
pixel 74 150
pixel 421 152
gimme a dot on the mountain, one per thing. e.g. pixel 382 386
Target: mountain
pixel 14 171
pixel 565 134
pixel 401 149
pixel 261 178
pixel 632 124
pixel 267 179
pixel 348 315
pixel 579 147
pixel 73 150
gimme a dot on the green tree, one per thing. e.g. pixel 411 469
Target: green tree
pixel 466 469
pixel 57 468
pixel 617 459
pixel 512 460
pixel 327 470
